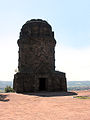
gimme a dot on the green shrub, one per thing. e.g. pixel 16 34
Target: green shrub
pixel 9 89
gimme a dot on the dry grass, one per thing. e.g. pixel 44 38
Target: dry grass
pixel 82 97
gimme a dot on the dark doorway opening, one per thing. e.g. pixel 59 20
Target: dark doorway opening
pixel 42 84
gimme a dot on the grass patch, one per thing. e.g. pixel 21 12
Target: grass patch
pixel 82 97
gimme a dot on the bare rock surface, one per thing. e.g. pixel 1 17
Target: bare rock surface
pixel 44 106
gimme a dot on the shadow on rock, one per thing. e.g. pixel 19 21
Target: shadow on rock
pixel 51 94
pixel 3 98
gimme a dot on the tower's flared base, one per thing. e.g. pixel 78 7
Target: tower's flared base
pixel 30 82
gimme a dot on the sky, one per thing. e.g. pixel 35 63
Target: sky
pixel 70 21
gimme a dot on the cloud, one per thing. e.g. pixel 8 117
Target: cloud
pixel 74 62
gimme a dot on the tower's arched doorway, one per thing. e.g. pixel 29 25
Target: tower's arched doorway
pixel 42 84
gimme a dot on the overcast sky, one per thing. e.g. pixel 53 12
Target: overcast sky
pixel 70 21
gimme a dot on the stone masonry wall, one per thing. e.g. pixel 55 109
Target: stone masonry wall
pixel 36 61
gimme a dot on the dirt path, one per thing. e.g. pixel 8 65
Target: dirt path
pixel 44 106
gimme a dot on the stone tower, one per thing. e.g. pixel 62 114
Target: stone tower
pixel 36 62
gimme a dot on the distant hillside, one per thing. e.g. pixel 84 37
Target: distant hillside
pixel 78 85
pixel 71 85
pixel 3 84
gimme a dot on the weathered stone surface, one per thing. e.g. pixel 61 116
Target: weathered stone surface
pixel 36 62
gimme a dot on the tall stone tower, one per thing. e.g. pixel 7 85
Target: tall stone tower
pixel 36 62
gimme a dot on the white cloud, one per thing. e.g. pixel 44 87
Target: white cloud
pixel 74 62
